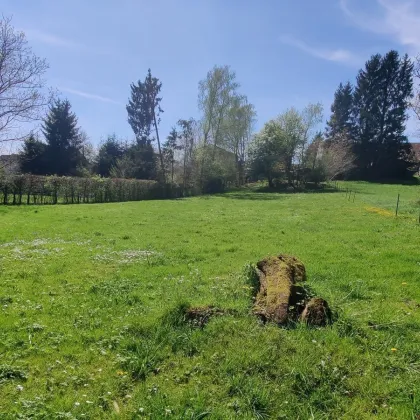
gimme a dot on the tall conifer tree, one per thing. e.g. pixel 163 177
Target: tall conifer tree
pixel 381 99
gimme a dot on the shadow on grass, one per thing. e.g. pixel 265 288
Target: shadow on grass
pixel 257 196
pixel 279 193
pixel 406 182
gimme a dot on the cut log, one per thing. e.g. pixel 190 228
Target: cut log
pixel 279 290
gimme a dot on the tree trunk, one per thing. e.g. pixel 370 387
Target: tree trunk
pixel 184 177
pixel 160 151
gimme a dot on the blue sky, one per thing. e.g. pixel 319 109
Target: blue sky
pixel 284 52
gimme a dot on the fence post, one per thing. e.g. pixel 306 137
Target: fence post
pixel 398 203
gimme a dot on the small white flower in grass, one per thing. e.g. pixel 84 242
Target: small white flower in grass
pixel 19 388
pixel 89 402
pixel 168 411
pixel 141 410
pixel 77 404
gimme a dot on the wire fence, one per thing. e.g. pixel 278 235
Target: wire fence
pixel 399 201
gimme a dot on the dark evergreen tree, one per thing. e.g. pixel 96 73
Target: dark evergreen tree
pixel 64 155
pixel 110 151
pixel 32 157
pixel 144 114
pixel 341 111
pixel 381 99
pixel 142 161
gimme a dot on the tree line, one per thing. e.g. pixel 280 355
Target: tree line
pixel 365 134
pixel 200 156
pixel 364 137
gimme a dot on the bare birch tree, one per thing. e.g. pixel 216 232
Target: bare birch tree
pixel 23 95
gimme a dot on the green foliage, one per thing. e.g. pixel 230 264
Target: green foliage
pixel 170 147
pixel 226 125
pixel 63 151
pixel 381 101
pixel 280 149
pixel 144 111
pixel 110 152
pixel 31 189
pixel 10 373
pixel 266 152
pixel 340 121
pixel 138 161
pixel 141 107
pixel 32 157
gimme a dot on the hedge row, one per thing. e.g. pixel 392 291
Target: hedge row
pixel 32 189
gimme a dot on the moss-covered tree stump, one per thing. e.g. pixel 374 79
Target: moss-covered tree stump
pixel 281 296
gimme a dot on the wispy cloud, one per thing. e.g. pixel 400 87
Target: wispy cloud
pixel 397 19
pixel 53 40
pixel 88 95
pixel 336 55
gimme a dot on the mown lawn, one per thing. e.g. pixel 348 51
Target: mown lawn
pixel 91 296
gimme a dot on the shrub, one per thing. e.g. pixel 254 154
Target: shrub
pixel 32 189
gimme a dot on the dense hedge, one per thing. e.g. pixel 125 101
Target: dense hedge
pixel 32 189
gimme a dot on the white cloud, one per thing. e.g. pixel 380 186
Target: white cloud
pixel 88 95
pixel 336 55
pixel 51 39
pixel 398 19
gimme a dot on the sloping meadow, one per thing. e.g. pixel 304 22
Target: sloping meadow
pixel 94 305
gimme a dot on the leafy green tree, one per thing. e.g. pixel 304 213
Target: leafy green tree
pixel 144 117
pixel 138 161
pixel 216 93
pixel 341 112
pixel 280 149
pixel 237 129
pixel 381 99
pixel 110 151
pixel 215 96
pixel 32 156
pixel 267 152
pixel 64 144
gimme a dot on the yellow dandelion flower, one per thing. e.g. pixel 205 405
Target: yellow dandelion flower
pixel 393 349
pixel 404 283
pixel 120 372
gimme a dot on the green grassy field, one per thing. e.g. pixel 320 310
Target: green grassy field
pixel 91 296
